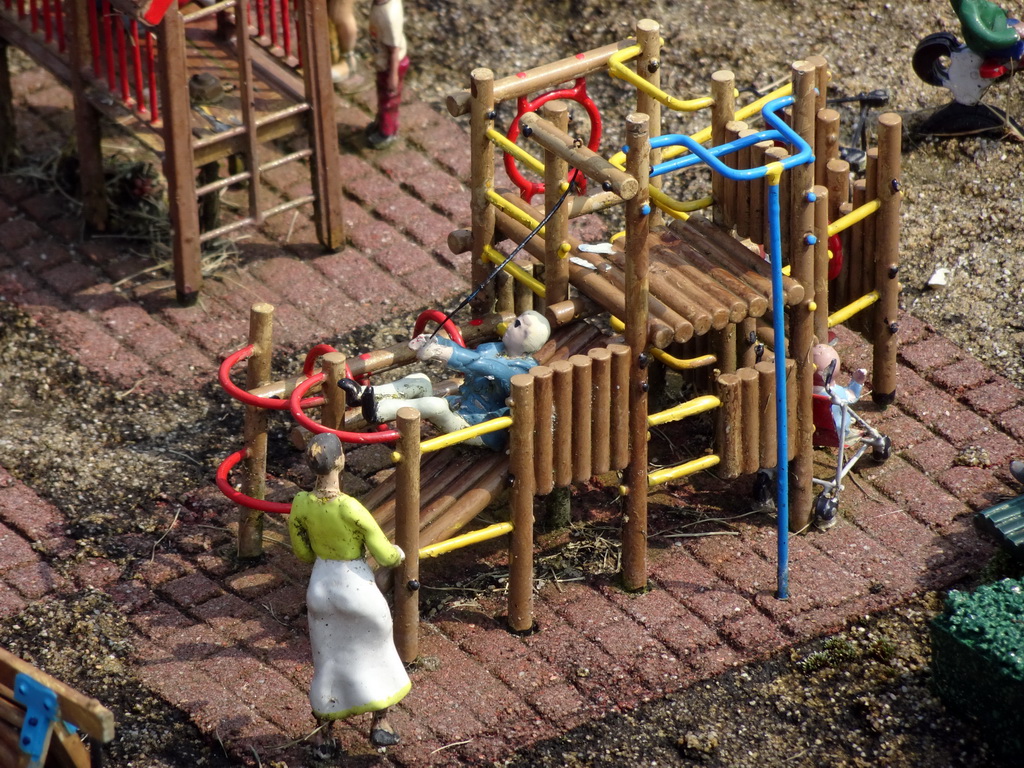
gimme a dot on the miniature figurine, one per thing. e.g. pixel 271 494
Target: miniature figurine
pixel 356 667
pixel 489 369
pixel 387 41
pixel 987 31
pixel 345 70
pixel 826 365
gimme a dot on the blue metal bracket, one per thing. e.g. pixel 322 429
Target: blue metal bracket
pixel 40 711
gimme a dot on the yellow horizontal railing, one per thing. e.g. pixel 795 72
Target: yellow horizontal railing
pixel 520 274
pixel 851 309
pixel 857 214
pixel 516 151
pixel 700 404
pixel 466 540
pixel 459 436
pixel 616 68
pixel 683 470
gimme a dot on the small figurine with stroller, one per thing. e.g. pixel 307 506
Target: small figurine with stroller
pixel 826 366
pixel 356 667
pixel 488 372
pixel 837 425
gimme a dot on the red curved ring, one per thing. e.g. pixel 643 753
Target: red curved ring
pixel 276 507
pixel 361 438
pixel 577 93
pixel 270 403
pixel 443 320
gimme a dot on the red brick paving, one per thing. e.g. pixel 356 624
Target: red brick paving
pixel 227 643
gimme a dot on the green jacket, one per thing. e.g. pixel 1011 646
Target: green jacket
pixel 983 25
pixel 336 529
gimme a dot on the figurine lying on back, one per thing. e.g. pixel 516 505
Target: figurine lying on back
pixel 827 365
pixel 488 372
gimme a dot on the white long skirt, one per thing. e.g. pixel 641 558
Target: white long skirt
pixel 356 667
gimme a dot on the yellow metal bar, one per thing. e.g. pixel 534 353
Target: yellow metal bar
pixel 617 69
pixel 857 214
pixel 703 135
pixel 845 313
pixel 700 404
pixel 516 271
pixel 466 540
pixel 683 364
pixel 661 355
pixel 516 151
pixel 683 470
pixel 461 435
pixel 519 215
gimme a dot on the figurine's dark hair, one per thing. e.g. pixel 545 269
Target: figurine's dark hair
pixel 323 452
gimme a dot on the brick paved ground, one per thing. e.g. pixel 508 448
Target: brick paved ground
pixel 212 640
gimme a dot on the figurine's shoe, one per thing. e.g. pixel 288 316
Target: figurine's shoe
pixel 352 391
pixel 348 78
pixel 383 736
pixel 325 750
pixel 377 140
pixel 369 406
pixel 1017 470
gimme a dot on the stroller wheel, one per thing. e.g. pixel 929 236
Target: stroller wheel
pixel 825 509
pixel 764 489
pixel 881 453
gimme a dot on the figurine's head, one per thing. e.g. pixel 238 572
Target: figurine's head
pixel 823 356
pixel 526 334
pixel 324 454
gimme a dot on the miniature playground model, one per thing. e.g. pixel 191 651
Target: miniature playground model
pixel 133 62
pixel 41 717
pixel 677 289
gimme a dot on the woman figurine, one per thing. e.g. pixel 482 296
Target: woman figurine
pixel 356 667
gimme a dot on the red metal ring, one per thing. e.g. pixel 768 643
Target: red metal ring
pixel 275 507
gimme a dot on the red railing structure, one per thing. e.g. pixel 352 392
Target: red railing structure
pixel 273 24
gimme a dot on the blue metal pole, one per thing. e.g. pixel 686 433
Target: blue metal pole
pixel 781 410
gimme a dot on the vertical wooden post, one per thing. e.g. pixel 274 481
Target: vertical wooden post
pixel 323 128
pixel 731 190
pixel 88 134
pixel 544 431
pixel 254 430
pixel 619 427
pixel 601 379
pixel 556 231
pixel 8 129
pixel 801 337
pixel 723 110
pixel 729 427
pixel 821 265
pixel 744 190
pixel 582 388
pixel 768 446
pixel 725 348
pixel 520 578
pixel 648 66
pixel 826 143
pixel 837 180
pixel 758 206
pixel 179 167
pixel 407 535
pixel 887 255
pixel 332 414
pixel 563 394
pixel 481 154
pixel 523 297
pixel 750 426
pixel 634 531
pixel 855 254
